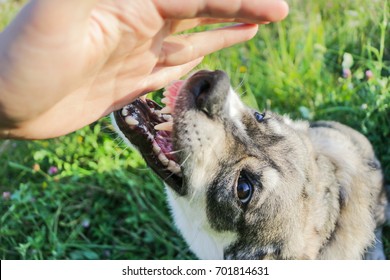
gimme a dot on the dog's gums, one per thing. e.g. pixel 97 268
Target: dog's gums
pixel 149 127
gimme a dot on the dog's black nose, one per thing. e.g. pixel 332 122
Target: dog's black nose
pixel 209 90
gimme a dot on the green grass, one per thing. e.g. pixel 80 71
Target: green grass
pixel 103 203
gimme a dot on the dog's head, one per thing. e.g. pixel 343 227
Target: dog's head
pixel 239 174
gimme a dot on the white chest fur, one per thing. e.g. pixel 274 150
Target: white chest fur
pixel 191 219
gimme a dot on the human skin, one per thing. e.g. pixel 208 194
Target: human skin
pixel 65 64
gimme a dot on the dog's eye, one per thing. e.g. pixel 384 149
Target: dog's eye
pixel 244 190
pixel 259 117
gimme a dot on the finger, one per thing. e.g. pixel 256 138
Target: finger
pixel 159 78
pixel 186 24
pixel 59 13
pixel 162 76
pixel 254 10
pixel 180 49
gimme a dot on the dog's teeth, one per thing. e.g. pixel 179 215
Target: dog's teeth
pixel 125 111
pixel 164 160
pixel 173 167
pixel 156 148
pixel 168 118
pixel 166 110
pixel 165 100
pixel 131 121
pixel 168 126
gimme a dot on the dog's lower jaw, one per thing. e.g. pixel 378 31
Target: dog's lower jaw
pixel 191 219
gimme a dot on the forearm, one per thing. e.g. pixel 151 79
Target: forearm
pixel 5 122
pixel 10 107
pixel 4 119
pixel 6 96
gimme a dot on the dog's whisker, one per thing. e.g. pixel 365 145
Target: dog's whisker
pixel 240 84
pixel 119 144
pixel 170 175
pixel 184 161
pixel 175 152
pixel 243 93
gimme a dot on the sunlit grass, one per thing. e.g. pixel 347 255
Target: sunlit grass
pixel 87 196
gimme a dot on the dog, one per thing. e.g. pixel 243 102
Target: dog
pixel 244 184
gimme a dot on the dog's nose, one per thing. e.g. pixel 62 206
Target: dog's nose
pixel 209 89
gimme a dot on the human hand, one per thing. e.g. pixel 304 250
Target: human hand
pixel 65 64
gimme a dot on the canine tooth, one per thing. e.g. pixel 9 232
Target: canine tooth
pixel 173 167
pixel 131 121
pixel 125 111
pixel 168 126
pixel 164 160
pixel 168 118
pixel 166 110
pixel 156 148
pixel 165 100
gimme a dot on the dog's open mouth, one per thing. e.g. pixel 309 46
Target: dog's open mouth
pixel 148 126
pixel 151 129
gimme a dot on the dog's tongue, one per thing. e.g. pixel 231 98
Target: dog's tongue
pixel 170 94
